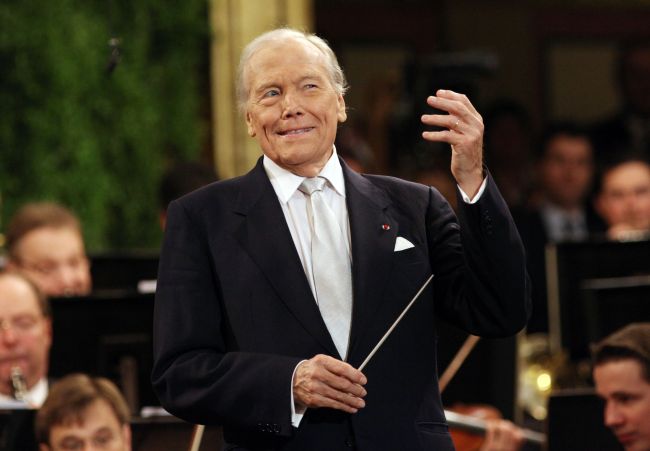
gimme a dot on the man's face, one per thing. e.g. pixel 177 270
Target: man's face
pixel 566 170
pixel 25 334
pixel 627 402
pixel 625 196
pixel 55 259
pixel 292 108
pixel 99 430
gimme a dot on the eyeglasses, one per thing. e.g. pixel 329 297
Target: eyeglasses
pixel 23 324
pixel 49 268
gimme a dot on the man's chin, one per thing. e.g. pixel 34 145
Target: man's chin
pixel 7 366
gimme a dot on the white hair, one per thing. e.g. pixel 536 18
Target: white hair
pixel 337 78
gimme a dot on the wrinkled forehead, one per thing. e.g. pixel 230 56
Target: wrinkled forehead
pixel 283 54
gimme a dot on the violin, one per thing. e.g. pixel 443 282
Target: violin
pixel 468 426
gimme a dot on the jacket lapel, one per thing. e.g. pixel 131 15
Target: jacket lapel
pixel 373 232
pixel 265 236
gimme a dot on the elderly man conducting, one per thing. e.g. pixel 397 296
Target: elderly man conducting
pixel 275 286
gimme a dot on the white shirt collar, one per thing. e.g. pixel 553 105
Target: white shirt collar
pixel 35 397
pixel 285 183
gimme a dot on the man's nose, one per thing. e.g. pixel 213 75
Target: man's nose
pixel 8 335
pixel 291 105
pixel 68 280
pixel 613 416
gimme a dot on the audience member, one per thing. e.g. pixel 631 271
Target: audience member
pixel 560 211
pixel 622 377
pixel 623 199
pixel 180 179
pixel 629 129
pixel 25 339
pixel 45 242
pixel 84 413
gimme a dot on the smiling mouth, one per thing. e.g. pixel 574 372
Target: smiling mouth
pixel 626 438
pixel 297 131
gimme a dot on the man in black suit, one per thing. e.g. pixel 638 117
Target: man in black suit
pixel 559 211
pixel 243 331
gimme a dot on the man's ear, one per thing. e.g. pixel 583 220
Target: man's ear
pixel 342 114
pixel 249 125
pixel 126 431
pixel 48 331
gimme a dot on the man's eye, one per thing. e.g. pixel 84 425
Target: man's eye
pixel 271 93
pixel 311 86
pixel 71 444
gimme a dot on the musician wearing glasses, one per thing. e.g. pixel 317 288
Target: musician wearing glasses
pixel 25 340
pixel 45 242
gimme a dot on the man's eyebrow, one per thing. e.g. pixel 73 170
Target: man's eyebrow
pixel 265 85
pixel 312 76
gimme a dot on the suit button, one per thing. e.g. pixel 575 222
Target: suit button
pixel 349 443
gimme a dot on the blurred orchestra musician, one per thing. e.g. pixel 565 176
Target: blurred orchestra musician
pixel 623 199
pixel 559 210
pixel 45 242
pixel 622 378
pixel 84 413
pixel 25 340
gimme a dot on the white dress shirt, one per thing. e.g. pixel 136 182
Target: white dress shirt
pixel 563 225
pixel 35 397
pixel 294 206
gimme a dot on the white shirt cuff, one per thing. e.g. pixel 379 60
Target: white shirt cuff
pixel 477 196
pixel 296 414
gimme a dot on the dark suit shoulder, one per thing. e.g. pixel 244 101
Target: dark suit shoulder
pixel 404 192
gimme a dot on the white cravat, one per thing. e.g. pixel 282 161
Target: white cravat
pixel 331 265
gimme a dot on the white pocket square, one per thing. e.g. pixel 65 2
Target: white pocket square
pixel 402 244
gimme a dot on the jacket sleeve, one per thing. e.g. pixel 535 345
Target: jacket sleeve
pixel 198 373
pixel 479 265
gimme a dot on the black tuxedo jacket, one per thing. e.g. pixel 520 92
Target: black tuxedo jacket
pixel 234 313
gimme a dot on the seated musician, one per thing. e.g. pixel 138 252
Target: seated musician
pixel 83 412
pixel 622 377
pixel 502 435
pixel 45 242
pixel 624 199
pixel 25 339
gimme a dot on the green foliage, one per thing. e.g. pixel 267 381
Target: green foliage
pixel 94 141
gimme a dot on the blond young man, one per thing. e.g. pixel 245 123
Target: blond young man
pixel 45 242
